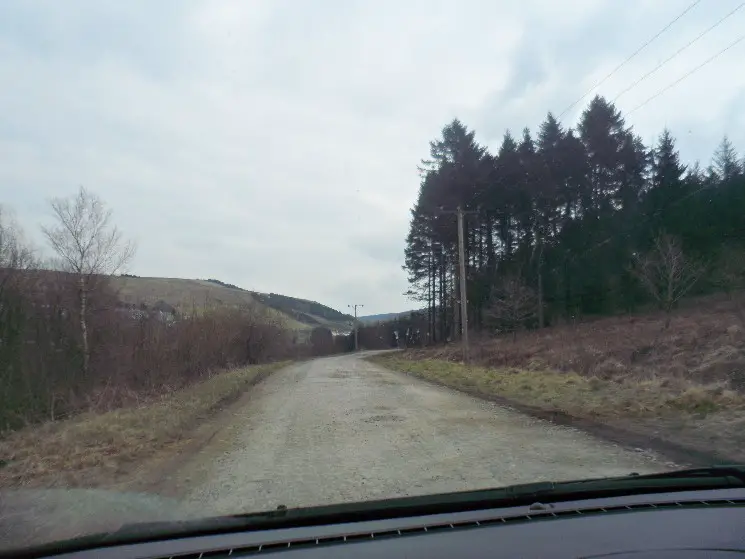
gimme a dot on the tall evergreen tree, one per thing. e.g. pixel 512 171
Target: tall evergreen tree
pixel 604 136
pixel 565 210
pixel 725 166
pixel 667 187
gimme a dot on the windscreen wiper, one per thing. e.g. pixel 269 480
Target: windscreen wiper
pixel 715 477
pixel 735 471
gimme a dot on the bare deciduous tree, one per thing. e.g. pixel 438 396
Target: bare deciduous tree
pixel 512 303
pixel 666 273
pixel 87 245
pixel 15 252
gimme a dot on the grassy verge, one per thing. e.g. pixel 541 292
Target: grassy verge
pixel 96 449
pixel 707 418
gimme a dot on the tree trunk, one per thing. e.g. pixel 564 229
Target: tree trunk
pixel 84 323
pixel 481 247
pixel 433 299
pixel 540 286
pixel 489 245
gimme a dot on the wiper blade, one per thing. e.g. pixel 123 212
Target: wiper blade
pixel 715 477
pixel 735 471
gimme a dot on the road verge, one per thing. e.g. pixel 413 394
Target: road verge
pixel 696 426
pixel 101 450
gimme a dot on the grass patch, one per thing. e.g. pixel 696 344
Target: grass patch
pixel 705 417
pixel 93 449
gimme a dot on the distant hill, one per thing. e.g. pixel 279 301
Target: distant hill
pixel 187 294
pixel 307 312
pixel 385 317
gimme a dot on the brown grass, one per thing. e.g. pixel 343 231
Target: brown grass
pixel 99 449
pixel 705 343
pixel 183 294
pixel 684 384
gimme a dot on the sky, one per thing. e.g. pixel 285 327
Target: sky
pixel 274 144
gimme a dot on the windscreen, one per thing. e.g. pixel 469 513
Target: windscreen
pixel 292 253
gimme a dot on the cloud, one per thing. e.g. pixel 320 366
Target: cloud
pixel 274 145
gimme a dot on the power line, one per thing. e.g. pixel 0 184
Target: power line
pixel 687 74
pixel 719 22
pixel 661 64
pixel 637 51
pixel 690 194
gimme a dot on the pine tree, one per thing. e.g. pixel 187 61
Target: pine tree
pixel 604 136
pixel 725 166
pixel 508 172
pixel 566 210
pixel 667 187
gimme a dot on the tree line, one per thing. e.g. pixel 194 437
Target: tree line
pixel 68 344
pixel 564 222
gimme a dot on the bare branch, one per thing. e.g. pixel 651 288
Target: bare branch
pixel 666 273
pixel 512 304
pixel 15 252
pixel 83 238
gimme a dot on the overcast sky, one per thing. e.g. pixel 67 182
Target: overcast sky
pixel 274 144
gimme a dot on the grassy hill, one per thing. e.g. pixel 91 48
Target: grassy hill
pixel 307 312
pixel 187 294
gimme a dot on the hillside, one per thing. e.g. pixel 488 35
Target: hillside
pixel 384 317
pixel 186 294
pixel 306 312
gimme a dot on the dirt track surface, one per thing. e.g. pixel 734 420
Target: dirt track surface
pixel 342 429
pixel 332 430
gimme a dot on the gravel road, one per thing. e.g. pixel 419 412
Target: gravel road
pixel 342 429
pixel 331 430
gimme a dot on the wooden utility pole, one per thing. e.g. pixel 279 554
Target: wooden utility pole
pixel 463 300
pixel 356 329
pixel 431 294
pixel 463 326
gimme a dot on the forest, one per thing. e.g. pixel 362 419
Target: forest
pixel 563 223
